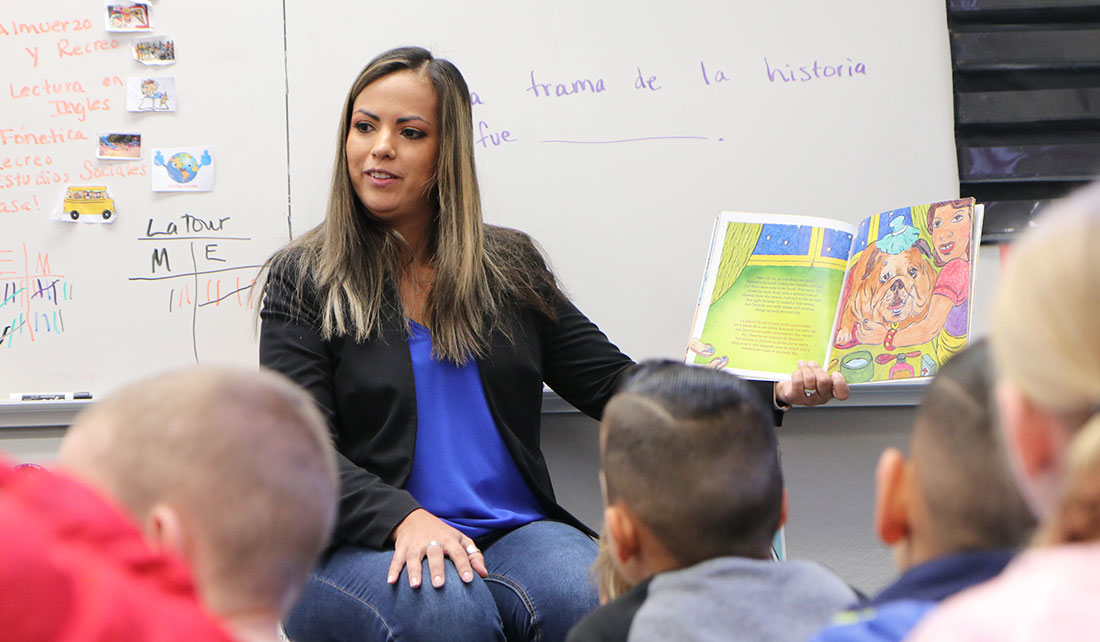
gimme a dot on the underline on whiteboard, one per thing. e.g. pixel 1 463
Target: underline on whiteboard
pixel 219 300
pixel 32 276
pixel 625 140
pixel 195 238
pixel 176 276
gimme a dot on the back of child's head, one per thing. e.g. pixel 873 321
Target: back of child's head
pixel 1046 339
pixel 962 473
pixel 242 455
pixel 1044 321
pixel 692 452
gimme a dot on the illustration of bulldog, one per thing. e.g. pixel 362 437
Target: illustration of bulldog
pixel 887 289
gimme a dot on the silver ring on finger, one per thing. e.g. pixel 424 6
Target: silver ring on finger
pixel 471 549
pixel 809 393
pixel 434 543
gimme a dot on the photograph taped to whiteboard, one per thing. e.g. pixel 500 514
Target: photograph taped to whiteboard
pixel 183 169
pixel 128 17
pixel 118 146
pixel 151 93
pixel 155 50
pixel 85 204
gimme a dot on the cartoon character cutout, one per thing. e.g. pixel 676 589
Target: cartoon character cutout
pixel 153 98
pixel 182 167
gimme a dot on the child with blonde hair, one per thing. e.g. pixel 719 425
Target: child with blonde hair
pixel 1046 343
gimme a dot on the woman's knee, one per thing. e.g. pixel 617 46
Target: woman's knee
pixel 457 611
pixel 396 613
pixel 327 611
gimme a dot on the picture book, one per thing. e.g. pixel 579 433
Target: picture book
pixel 885 300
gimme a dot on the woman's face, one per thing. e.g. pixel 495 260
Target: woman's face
pixel 950 230
pixel 392 147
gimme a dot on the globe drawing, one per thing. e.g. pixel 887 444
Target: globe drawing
pixel 182 167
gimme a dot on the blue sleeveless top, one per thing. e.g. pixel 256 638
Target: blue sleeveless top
pixel 462 472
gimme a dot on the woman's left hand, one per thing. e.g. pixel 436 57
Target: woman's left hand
pixel 810 385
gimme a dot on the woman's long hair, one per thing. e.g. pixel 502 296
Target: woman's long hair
pixel 354 260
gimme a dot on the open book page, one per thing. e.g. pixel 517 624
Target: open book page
pixel 905 308
pixel 770 293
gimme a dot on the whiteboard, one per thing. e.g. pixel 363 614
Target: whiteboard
pixel 87 306
pixel 838 109
pixel 701 107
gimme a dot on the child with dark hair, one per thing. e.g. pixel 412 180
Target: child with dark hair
pixel 694 495
pixel 951 511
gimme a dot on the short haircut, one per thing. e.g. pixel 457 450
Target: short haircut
pixel 243 456
pixel 692 452
pixel 962 471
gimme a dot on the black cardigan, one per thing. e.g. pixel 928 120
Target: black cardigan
pixel 366 392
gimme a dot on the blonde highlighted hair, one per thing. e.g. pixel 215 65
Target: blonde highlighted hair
pixel 1077 516
pixel 610 583
pixel 1046 341
pixel 1045 333
pixel 355 260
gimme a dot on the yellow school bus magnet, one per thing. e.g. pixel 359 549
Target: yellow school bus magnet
pixel 87 204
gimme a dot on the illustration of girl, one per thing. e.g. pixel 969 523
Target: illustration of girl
pixel 945 323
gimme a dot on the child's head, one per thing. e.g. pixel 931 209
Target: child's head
pixel 1046 340
pixel 690 466
pixel 232 469
pixel 955 493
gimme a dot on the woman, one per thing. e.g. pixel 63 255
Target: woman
pixel 1046 344
pixel 426 337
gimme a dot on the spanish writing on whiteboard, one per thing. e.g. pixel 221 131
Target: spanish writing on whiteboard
pixel 35 296
pixel 64 75
pixel 708 74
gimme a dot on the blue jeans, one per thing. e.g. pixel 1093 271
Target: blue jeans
pixel 538 587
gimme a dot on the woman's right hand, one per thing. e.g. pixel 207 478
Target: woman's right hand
pixel 422 534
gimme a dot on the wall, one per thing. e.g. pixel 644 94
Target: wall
pixel 87 306
pixel 631 126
